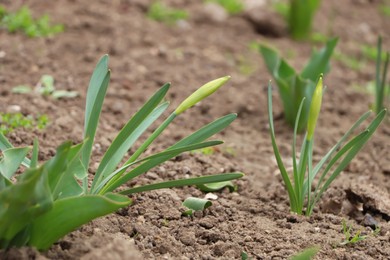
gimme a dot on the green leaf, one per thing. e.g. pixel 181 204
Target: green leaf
pixel 12 159
pixel 34 156
pixel 130 133
pixel 306 254
pixel 95 96
pixel 21 203
pixel 206 131
pixel 216 186
pixel 319 61
pixel 195 204
pixel 148 163
pixel 21 89
pixel 64 94
pixel 70 213
pixel 184 182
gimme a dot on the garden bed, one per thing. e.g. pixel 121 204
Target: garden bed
pixel 145 54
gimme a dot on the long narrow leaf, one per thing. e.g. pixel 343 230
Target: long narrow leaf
pixel 184 182
pixel 206 131
pixel 129 135
pixel 93 120
pixel 162 154
pixel 285 177
pixel 149 163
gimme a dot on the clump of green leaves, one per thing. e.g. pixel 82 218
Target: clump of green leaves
pixel 381 77
pixel 349 238
pixel 45 87
pixel 47 201
pixel 10 121
pixel 299 186
pixel 293 87
pixel 22 20
pixel 231 6
pixel 162 13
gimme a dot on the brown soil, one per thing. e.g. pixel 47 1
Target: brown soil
pixel 145 54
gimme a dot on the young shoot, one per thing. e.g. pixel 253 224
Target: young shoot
pixel 380 78
pixel 293 87
pixel 299 183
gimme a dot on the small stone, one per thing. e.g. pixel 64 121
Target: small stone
pixel 187 238
pixel 369 221
pixel 211 196
pixel 14 109
pixel 206 223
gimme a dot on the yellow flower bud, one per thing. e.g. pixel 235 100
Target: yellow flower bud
pixel 315 108
pixel 203 92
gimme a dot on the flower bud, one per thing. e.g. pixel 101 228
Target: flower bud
pixel 203 92
pixel 315 108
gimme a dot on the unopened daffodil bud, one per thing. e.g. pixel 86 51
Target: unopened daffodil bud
pixel 315 108
pixel 203 92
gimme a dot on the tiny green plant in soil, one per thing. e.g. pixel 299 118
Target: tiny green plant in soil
pixel 231 6
pixel 349 238
pixel 293 87
pixel 50 199
pixel 45 87
pixel 299 186
pixel 23 21
pixel 11 121
pixel 381 78
pixel 158 11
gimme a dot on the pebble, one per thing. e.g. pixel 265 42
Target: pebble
pixel 13 109
pixel 369 221
pixel 211 196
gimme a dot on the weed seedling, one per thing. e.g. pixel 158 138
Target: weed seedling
pixel 162 13
pixel 231 6
pixel 22 20
pixel 51 199
pixel 299 186
pixel 293 87
pixel 45 87
pixel 11 121
pixel 348 237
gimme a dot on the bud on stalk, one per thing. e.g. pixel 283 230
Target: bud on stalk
pixel 315 108
pixel 200 94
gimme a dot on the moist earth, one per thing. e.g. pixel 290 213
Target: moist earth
pixel 145 54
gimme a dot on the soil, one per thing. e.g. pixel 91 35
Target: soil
pixel 144 54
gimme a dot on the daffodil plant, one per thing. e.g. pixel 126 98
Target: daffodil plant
pixel 303 197
pixel 48 200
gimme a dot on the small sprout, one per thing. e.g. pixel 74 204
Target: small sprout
pixel 161 13
pixel 45 87
pixel 11 121
pixel 231 6
pixel 244 256
pixel 306 254
pixel 293 87
pixel 22 20
pixel 21 89
pixel 349 238
pixel 210 187
pixel 195 204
